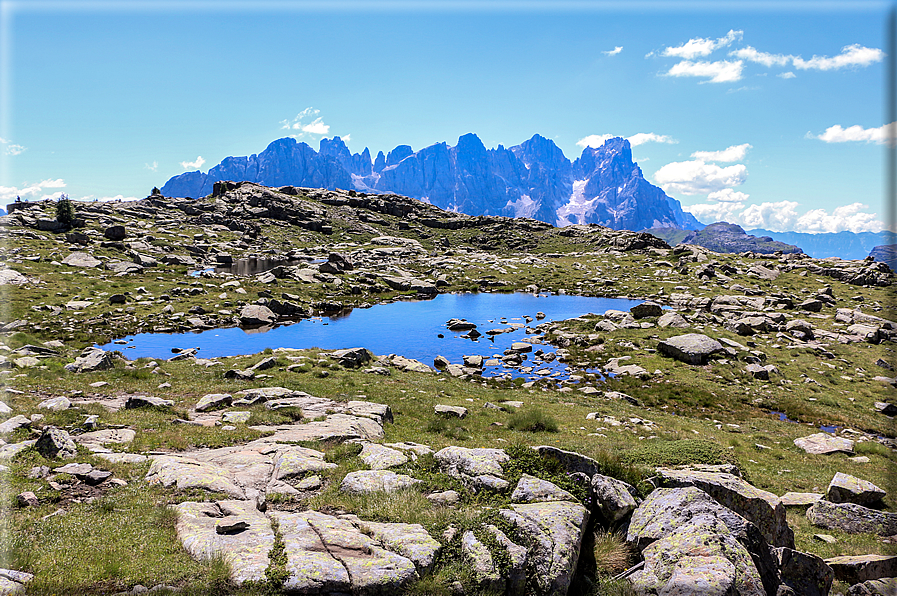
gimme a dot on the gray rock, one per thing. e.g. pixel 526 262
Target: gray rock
pixel 530 489
pixel 760 507
pixel 81 259
pixel 852 518
pixel 613 497
pixel 56 443
pixel 256 315
pixel 351 357
pixel 55 404
pixel 147 401
pixel 27 499
pixel 845 488
pixel 555 530
pixel 14 423
pixel 461 461
pixel 451 411
pixel 378 457
pixel 246 551
pixel 13 583
pixel 824 444
pixel 804 573
pixel 515 580
pixel 448 497
pixel 297 461
pixel 691 348
pixel 489 482
pixel 185 473
pixel 481 564
pixel 673 319
pixel 874 587
pixel 115 233
pixel 409 540
pixel 91 360
pixel 213 401
pixel 861 568
pixel 791 499
pixel 236 417
pixel 646 310
pixel 369 481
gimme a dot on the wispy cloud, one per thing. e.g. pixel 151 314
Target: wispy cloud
pixel 786 75
pixel 613 52
pixel 699 46
pixel 753 55
pixel 729 154
pixel 304 124
pixel 152 167
pixel 721 71
pixel 783 216
pixel 852 55
pixel 49 183
pixel 193 165
pixel 15 149
pixel 882 135
pixel 640 138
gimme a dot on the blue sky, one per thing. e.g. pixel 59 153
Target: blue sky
pixel 764 114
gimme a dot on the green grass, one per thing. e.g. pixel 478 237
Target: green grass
pixel 532 420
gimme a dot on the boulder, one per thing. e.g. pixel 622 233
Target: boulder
pixel 860 568
pixel 55 404
pixel 531 490
pixel 14 423
pixel 555 531
pixel 369 481
pixel 845 488
pixel 411 541
pixel 614 498
pixel 672 319
pixel 91 360
pixel 461 461
pixel 147 401
pixel 646 310
pixel 451 411
pixel 81 259
pixel 852 518
pixel 824 444
pixel 805 574
pixel 480 560
pixel 760 507
pixel 378 457
pixel 185 473
pixel 874 587
pixel 115 233
pixel 351 357
pixel 691 348
pixel 56 443
pixel 296 461
pixel 213 401
pixel 256 315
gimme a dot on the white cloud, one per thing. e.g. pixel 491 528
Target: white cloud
pixel 31 192
pixel 729 154
pixel 727 195
pixel 614 51
pixel 852 55
pixel 152 167
pixel 699 178
pixel 699 46
pixel 640 138
pixel 594 141
pixel 49 183
pixel 721 71
pixel 14 149
pixel 783 216
pixel 836 134
pixel 649 137
pixel 193 165
pixel 786 75
pixel 753 55
pixel 347 138
pixel 301 123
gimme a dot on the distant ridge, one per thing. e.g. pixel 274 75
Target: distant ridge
pixel 727 238
pixel 533 179
pixel 846 245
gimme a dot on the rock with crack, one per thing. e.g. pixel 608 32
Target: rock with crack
pixel 689 539
pixel 555 531
pixel 852 518
pixel 760 507
pixel 14 582
pixel 411 541
pixel 845 488
pixel 369 568
pixel 530 489
pixel 234 530
pixel 614 498
pixel 294 461
pixel 91 360
pixel 369 481
pixel 477 555
pixel 185 473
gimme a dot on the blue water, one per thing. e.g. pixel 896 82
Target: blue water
pixel 410 328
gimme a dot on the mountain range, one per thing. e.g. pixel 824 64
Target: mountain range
pixel 846 245
pixel 534 179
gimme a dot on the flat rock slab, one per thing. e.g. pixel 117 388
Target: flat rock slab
pixel 372 568
pixel 824 444
pixel 852 518
pixel 98 438
pixel 379 457
pixel 14 423
pixel 336 427
pixel 185 473
pixel 462 462
pixel 791 499
pixel 762 508
pixel 449 411
pixel 298 461
pixel 245 550
pixel 845 488
pixel 691 348
pixel 55 404
pixel 369 481
pixel 81 259
pixel 530 489
pixel 555 530
pixel 10 449
pixel 857 569
pixel 409 540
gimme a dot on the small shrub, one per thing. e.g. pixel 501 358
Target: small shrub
pixel 612 553
pixel 65 211
pixel 532 421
